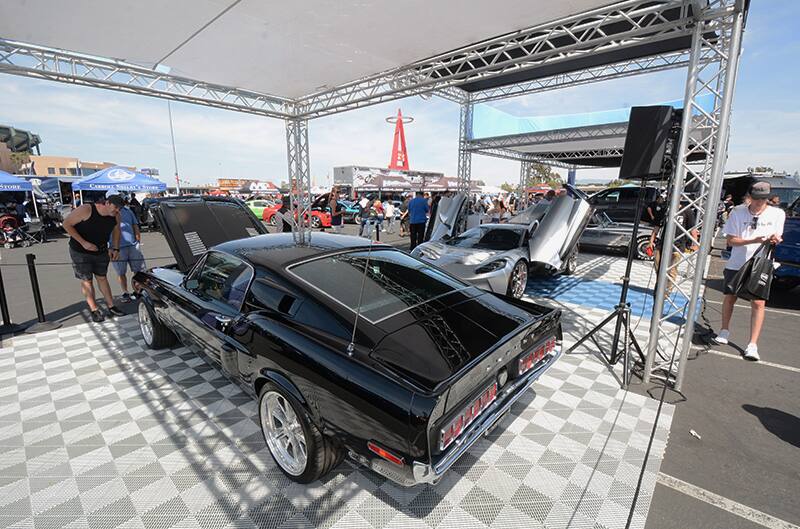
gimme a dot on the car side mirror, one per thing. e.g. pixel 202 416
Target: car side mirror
pixel 191 284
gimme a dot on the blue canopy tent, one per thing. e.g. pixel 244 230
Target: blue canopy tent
pixel 119 179
pixel 9 182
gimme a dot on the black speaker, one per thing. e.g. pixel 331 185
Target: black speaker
pixel 650 129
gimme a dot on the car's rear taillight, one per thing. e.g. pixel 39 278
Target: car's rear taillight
pixel 530 359
pixel 457 426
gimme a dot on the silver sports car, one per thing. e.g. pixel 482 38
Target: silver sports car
pixel 499 257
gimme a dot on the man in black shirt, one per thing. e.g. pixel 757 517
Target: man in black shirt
pixel 656 211
pixel 89 227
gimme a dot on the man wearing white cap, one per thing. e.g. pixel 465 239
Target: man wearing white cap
pixel 130 254
pixel 747 228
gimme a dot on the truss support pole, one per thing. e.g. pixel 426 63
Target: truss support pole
pixel 525 171
pixel 464 155
pixel 299 178
pixel 695 188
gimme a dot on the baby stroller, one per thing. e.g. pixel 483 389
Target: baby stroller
pixel 13 234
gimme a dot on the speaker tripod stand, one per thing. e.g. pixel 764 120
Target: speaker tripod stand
pixel 621 315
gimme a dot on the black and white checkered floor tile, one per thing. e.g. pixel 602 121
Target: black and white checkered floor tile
pixel 98 432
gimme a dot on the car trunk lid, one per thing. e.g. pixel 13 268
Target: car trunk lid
pixel 444 342
pixel 193 225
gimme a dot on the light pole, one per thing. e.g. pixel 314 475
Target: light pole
pixel 174 154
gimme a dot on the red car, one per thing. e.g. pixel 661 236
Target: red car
pixel 319 218
pixel 268 215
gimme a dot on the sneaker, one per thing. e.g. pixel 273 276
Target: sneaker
pixel 722 337
pixel 125 297
pixel 751 353
pixel 97 316
pixel 114 311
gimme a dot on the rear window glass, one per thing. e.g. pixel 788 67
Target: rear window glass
pixel 394 281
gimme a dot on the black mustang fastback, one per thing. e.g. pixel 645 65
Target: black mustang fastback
pixel 352 349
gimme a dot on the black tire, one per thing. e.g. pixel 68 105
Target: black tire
pixel 159 336
pixel 323 454
pixel 572 263
pixel 641 248
pixel 273 221
pixel 513 290
pixel 316 222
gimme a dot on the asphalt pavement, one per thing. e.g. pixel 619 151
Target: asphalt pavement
pixel 747 415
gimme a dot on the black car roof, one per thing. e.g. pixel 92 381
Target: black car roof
pixel 276 250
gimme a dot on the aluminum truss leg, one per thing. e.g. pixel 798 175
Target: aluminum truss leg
pixel 525 171
pixel 464 156
pixel 299 178
pixel 695 187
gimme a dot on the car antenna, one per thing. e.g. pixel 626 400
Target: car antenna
pixel 352 346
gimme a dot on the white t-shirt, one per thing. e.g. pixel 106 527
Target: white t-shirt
pixel 740 224
pixel 388 210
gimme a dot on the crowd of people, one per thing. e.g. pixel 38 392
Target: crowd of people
pixel 412 211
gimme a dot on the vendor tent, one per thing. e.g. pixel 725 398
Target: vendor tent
pixel 120 179
pixel 9 182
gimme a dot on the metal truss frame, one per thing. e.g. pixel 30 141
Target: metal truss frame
pixel 551 159
pixel 464 154
pixel 695 187
pixel 595 132
pixel 654 63
pixel 525 171
pixel 559 41
pixel 57 65
pixel 299 178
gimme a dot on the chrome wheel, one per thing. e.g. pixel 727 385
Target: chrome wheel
pixel 316 222
pixel 145 323
pixel 283 433
pixel 273 221
pixel 519 280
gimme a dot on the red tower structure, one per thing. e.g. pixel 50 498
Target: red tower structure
pixel 399 158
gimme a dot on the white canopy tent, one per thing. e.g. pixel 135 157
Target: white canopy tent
pixel 289 50
pixel 299 61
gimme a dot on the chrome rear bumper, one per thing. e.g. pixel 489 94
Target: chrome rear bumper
pixel 431 473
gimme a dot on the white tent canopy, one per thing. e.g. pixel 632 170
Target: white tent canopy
pixel 287 49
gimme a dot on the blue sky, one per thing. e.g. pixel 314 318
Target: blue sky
pixel 100 125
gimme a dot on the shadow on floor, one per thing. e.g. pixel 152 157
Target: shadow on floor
pixel 783 425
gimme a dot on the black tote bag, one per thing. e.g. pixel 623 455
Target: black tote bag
pixel 754 278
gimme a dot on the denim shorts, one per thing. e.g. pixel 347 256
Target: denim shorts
pixel 129 257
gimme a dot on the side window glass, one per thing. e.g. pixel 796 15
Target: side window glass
pixel 264 295
pixel 223 279
pixel 629 195
pixel 611 197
